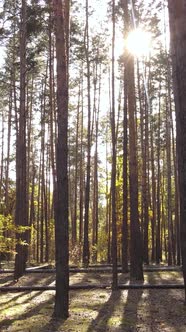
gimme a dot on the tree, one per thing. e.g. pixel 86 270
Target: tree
pixel 125 166
pixel 21 213
pixel 136 251
pixel 113 176
pixel 61 18
pixel 177 18
pixel 86 250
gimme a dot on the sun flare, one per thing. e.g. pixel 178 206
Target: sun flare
pixel 139 42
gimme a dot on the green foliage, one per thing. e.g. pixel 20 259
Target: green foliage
pixel 7 234
pixel 102 246
pixel 7 242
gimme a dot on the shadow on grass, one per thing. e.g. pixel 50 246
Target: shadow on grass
pixel 7 304
pixel 6 278
pixel 105 313
pixel 100 323
pixel 130 312
pixel 37 315
pixel 28 315
pixel 166 307
pixel 54 325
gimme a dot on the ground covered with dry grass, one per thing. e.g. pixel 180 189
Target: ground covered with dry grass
pixel 94 310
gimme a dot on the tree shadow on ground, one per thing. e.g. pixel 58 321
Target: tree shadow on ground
pixel 34 279
pixel 54 324
pixel 7 304
pixel 105 313
pixel 99 324
pixel 34 310
pixel 130 312
pixel 166 308
pixel 5 278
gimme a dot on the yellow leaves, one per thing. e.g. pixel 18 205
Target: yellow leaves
pixel 8 231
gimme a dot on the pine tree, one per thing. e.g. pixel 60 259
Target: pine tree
pixel 177 17
pixel 61 17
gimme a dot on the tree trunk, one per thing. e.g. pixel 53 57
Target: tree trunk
pixel 177 19
pixel 136 248
pixel 113 175
pixel 21 213
pixel 158 221
pixel 61 17
pixel 125 175
pixel 86 250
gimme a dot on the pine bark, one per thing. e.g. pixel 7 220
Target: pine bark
pixel 177 19
pixel 113 174
pixel 61 17
pixel 86 249
pixel 125 230
pixel 21 213
pixel 136 248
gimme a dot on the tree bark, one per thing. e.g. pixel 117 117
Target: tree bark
pixel 86 249
pixel 136 248
pixel 177 19
pixel 113 174
pixel 21 213
pixel 61 16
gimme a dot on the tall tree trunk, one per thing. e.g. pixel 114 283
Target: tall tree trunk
pixel 81 181
pixel 95 216
pixel 8 152
pixel 86 250
pixel 136 248
pixel 176 195
pixel 169 186
pixel 125 175
pixel 2 155
pixel 61 17
pixel 21 213
pixel 177 19
pixel 158 222
pixel 113 175
pixel 74 216
pixel 153 219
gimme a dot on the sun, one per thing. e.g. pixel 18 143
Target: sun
pixel 139 42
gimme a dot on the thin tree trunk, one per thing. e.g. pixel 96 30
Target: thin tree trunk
pixel 86 249
pixel 74 216
pixel 81 184
pixel 125 183
pixel 113 175
pixel 158 222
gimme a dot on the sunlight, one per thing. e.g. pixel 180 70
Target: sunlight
pixel 139 42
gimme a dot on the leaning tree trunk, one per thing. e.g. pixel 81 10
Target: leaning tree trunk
pixel 177 19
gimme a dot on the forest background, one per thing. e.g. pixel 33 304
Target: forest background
pixel 91 142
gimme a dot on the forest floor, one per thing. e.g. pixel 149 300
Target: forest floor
pixel 142 310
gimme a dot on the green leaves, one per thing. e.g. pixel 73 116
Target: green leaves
pixel 8 232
